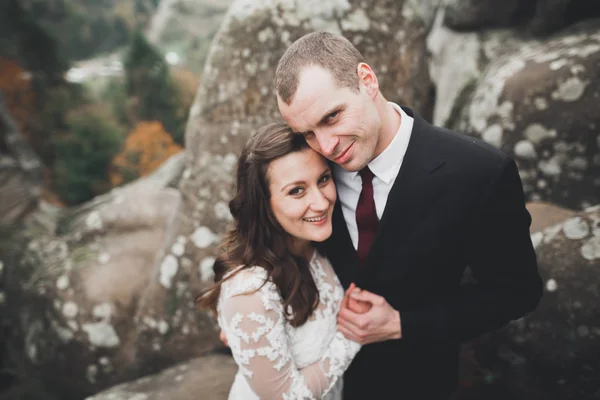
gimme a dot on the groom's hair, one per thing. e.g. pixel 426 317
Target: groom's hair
pixel 332 52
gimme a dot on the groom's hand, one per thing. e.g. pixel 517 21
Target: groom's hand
pixel 381 322
pixel 359 307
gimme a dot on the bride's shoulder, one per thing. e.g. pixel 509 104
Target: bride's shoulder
pixel 246 280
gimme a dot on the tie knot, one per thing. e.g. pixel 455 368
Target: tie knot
pixel 366 174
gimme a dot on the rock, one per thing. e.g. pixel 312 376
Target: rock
pixel 20 172
pixel 236 97
pixel 544 215
pixel 552 15
pixel 74 278
pixel 554 351
pixel 538 105
pixel 208 378
pixel 470 15
pixel 457 62
pixel 538 17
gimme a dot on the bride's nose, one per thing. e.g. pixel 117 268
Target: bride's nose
pixel 318 201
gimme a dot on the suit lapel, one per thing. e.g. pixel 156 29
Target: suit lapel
pixel 418 184
pixel 340 249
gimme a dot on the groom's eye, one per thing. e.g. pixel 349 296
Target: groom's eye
pixel 332 115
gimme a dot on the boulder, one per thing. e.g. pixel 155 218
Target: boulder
pixel 235 98
pixel 553 352
pixel 20 172
pixel 550 16
pixel 207 378
pixel 538 104
pixel 73 280
pixel 458 60
pixel 537 17
pixel 471 15
pixel 544 215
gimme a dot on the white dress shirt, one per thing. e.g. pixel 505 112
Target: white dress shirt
pixel 385 167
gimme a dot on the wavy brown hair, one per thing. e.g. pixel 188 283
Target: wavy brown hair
pixel 257 239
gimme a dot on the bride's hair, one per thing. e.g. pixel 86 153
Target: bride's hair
pixel 257 238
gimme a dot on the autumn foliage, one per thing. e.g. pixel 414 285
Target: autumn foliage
pixel 16 87
pixel 144 150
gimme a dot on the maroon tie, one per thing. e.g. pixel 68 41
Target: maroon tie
pixel 366 216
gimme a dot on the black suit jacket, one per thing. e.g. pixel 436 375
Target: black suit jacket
pixel 456 202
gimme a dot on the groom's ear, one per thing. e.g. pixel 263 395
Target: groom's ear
pixel 368 79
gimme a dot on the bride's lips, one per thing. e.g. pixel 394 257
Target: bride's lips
pixel 344 156
pixel 317 220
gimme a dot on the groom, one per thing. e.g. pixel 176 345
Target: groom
pixel 417 205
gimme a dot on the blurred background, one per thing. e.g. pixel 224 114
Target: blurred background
pixel 111 78
pixel 120 125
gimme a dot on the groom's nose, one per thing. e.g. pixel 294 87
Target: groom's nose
pixel 327 143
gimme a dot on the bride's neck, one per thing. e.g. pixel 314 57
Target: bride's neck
pixel 302 248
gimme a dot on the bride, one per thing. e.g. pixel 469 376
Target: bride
pixel 275 293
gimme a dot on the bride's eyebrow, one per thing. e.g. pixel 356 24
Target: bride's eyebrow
pixel 295 183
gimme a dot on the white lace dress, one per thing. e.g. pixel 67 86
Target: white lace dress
pixel 276 360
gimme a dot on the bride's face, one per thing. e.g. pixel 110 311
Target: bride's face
pixel 302 195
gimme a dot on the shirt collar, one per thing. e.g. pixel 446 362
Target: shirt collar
pixel 385 165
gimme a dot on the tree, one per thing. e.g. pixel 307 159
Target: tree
pixel 148 82
pixel 36 50
pixel 83 155
pixel 145 149
pixel 15 84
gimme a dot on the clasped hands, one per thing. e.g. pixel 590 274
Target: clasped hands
pixel 365 317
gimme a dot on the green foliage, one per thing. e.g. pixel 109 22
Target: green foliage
pixel 84 28
pixel 76 138
pixel 25 39
pixel 149 83
pixel 101 34
pixel 115 94
pixel 84 154
pixel 59 100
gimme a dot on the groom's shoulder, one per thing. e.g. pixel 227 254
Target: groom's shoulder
pixel 455 145
pixel 467 150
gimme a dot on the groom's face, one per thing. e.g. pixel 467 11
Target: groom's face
pixel 341 123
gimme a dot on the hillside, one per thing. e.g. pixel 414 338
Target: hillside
pixel 100 25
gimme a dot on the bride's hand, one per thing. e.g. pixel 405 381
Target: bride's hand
pixel 223 338
pixel 357 306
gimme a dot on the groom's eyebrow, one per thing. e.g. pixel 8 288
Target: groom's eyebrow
pixel 323 120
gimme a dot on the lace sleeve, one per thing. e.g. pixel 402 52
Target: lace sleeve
pixel 256 332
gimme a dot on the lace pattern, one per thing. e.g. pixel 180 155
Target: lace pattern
pixel 277 360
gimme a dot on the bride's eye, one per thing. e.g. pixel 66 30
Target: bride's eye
pixel 325 178
pixel 296 191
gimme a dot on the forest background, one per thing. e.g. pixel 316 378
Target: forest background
pixel 101 88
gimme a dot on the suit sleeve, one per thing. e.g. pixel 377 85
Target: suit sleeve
pixel 501 255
